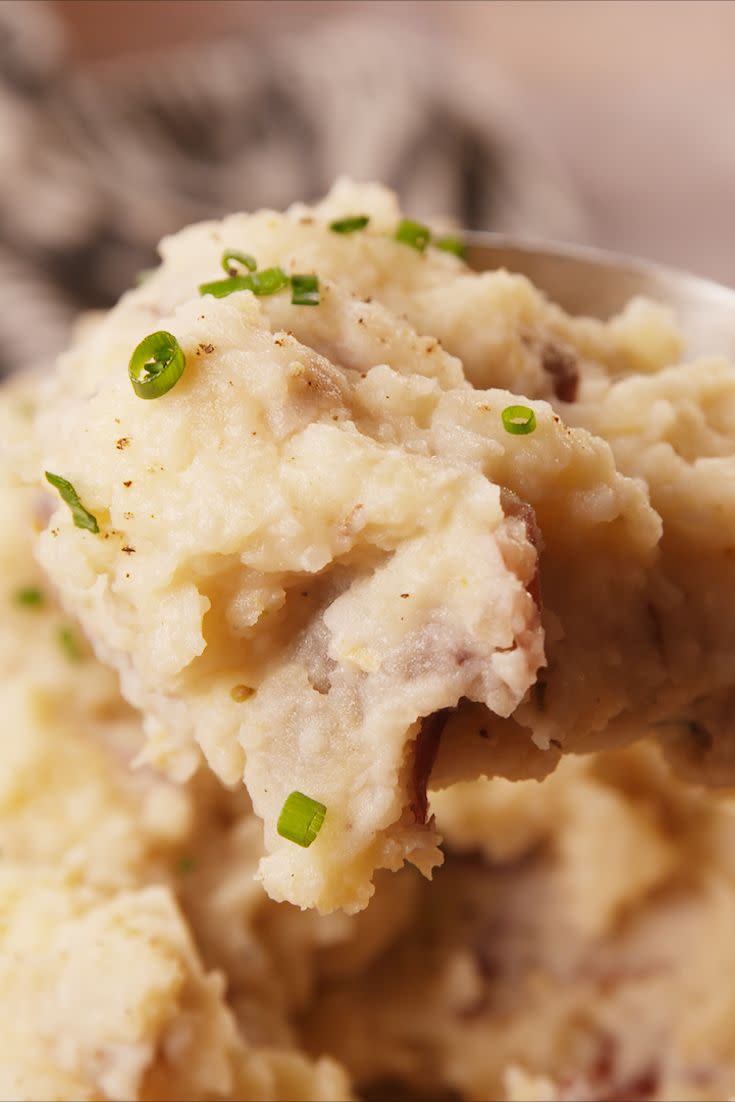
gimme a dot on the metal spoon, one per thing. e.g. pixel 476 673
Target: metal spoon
pixel 596 283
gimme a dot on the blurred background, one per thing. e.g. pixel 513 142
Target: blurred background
pixel 600 122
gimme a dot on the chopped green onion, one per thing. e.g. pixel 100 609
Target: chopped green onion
pixel 231 257
pixel 220 288
pixel 30 596
pixel 69 643
pixel 415 234
pixel 453 245
pixel 519 420
pixel 143 276
pixel 185 864
pixel 156 365
pixel 305 290
pixel 82 517
pixel 301 819
pixel 350 225
pixel 267 282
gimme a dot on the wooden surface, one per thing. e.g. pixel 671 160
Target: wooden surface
pixel 636 96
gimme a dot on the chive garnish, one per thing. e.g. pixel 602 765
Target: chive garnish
pixel 519 420
pixel 185 864
pixel 350 225
pixel 305 290
pixel 156 365
pixel 69 643
pixel 267 282
pixel 30 596
pixel 301 819
pixel 220 288
pixel 453 245
pixel 82 517
pixel 415 234
pixel 231 258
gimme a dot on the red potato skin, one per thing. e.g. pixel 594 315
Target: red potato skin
pixel 427 747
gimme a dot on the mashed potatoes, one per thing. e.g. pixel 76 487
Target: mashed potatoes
pixel 104 992
pixel 576 945
pixel 320 566
pixel 325 534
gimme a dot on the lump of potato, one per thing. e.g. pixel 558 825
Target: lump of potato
pixel 105 997
pixel 323 535
pixel 321 555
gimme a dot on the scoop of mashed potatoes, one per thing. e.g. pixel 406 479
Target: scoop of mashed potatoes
pixel 320 556
pixel 576 943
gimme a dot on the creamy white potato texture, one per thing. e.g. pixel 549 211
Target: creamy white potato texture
pixel 117 982
pixel 321 554
pixel 575 945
